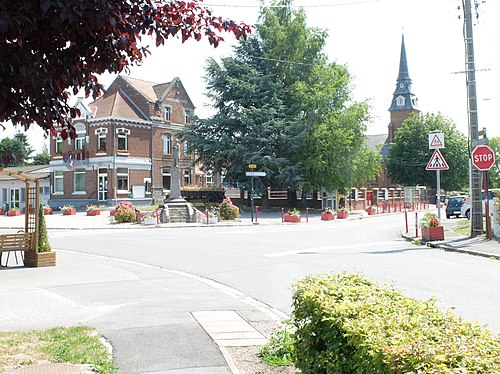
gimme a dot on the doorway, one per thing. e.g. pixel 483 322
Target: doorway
pixel 102 182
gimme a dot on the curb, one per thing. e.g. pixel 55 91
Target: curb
pixel 447 248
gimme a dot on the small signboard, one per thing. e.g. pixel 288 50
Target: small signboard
pixel 255 173
pixel 437 162
pixel 252 166
pixel 436 140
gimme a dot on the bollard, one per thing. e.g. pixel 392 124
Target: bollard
pixel 256 214
pixel 406 221
pixel 416 224
pixel 206 215
pixel 307 215
pixel 157 216
pixel 282 214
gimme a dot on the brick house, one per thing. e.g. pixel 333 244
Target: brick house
pixel 123 146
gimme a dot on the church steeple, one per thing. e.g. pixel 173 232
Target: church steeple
pixel 404 101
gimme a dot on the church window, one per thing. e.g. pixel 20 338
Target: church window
pixel 400 101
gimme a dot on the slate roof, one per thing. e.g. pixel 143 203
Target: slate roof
pixel 379 143
pixel 116 105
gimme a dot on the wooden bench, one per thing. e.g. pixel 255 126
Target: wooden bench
pixel 15 242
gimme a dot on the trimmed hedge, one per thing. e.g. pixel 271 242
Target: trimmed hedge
pixel 348 324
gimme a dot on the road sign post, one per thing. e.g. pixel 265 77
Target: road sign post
pixel 253 174
pixel 483 158
pixel 437 162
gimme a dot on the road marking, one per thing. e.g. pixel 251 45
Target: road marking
pixel 328 248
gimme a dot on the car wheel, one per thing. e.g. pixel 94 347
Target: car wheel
pixel 448 216
pixel 467 214
pixel 457 216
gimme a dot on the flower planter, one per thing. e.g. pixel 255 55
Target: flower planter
pixel 69 212
pixel 342 215
pixel 14 213
pixel 327 216
pixel 149 220
pixel 290 218
pixel 212 220
pixel 93 212
pixel 371 212
pixel 47 211
pixel 2 212
pixel 433 233
pixel 42 259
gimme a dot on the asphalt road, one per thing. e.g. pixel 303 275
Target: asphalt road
pixel 263 261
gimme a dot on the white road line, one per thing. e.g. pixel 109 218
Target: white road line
pixel 328 248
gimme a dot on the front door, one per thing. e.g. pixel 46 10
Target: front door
pixel 15 197
pixel 102 182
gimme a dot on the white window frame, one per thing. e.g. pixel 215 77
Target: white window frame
pixel 167 113
pixel 186 149
pixel 101 133
pixel 209 179
pixel 186 177
pixel 82 173
pixel 80 141
pixel 58 177
pixel 122 133
pixel 121 174
pixel 188 115
pixel 400 101
pixel 167 144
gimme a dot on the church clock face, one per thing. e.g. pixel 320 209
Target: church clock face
pixel 401 85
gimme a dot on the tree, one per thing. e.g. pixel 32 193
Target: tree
pixel 274 98
pixel 49 46
pixel 42 158
pixel 409 154
pixel 494 172
pixel 15 151
pixel 43 235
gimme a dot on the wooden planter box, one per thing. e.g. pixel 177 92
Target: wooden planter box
pixel 47 211
pixel 371 212
pixel 342 215
pixel 69 212
pixel 327 216
pixel 43 259
pixel 289 218
pixel 93 212
pixel 14 213
pixel 433 233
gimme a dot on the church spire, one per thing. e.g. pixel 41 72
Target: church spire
pixel 403 97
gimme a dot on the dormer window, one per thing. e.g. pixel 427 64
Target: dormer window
pixel 167 113
pixel 400 101
pixel 122 135
pixel 188 114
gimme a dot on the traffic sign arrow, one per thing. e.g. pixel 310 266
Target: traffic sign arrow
pixel 437 162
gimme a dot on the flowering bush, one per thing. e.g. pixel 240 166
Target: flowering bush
pixel 92 208
pixel 124 212
pixel 327 211
pixel 294 212
pixel 213 210
pixel 149 215
pixel 67 207
pixel 228 210
pixel 14 209
pixel 430 220
pixel 343 209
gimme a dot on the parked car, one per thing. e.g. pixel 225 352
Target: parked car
pixel 454 206
pixel 466 206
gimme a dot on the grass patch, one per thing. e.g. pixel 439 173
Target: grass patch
pixel 463 227
pixel 77 345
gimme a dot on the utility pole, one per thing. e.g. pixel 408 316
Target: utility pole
pixel 470 68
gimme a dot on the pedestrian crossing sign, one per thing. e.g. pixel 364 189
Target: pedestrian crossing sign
pixel 437 162
pixel 436 140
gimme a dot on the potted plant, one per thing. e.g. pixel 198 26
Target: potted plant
pixel 327 215
pixel 212 212
pixel 371 210
pixel 292 216
pixel 124 212
pixel 342 213
pixel 431 228
pixel 68 210
pixel 93 210
pixel 14 212
pixel 47 209
pixel 43 255
pixel 149 218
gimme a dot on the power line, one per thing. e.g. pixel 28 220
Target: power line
pixel 294 6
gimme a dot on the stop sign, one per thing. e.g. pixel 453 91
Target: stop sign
pixel 483 157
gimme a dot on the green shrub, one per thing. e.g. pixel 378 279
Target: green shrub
pixel 43 236
pixel 348 324
pixel 125 212
pixel 228 211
